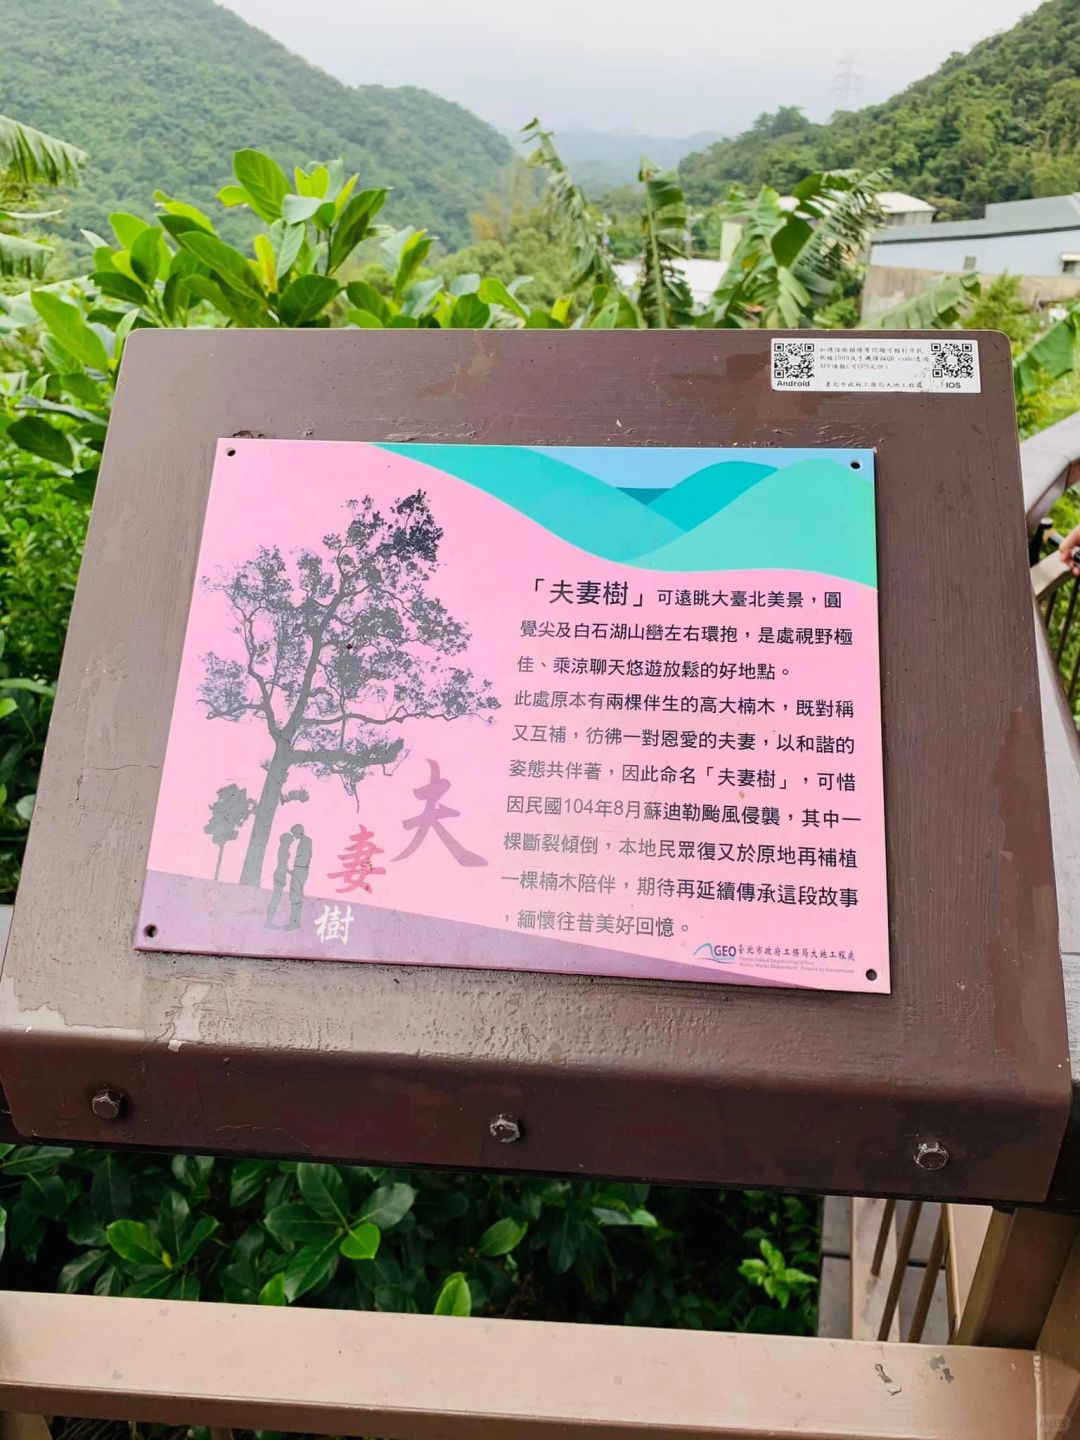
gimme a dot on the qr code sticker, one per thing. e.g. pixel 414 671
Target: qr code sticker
pixel 953 359
pixel 793 360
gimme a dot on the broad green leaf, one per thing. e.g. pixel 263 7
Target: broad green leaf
pixel 40 438
pixel 110 1281
pixel 181 207
pixel 365 297
pixel 310 1267
pixel 146 255
pixel 85 1231
pixel 80 1271
pixel 110 1189
pixel 248 1178
pixel 502 1237
pixel 184 1287
pixel 6 708
pixel 196 1237
pixel 80 486
pixel 469 313
pixel 228 265
pixel 119 287
pixel 273 1292
pixel 354 224
pixel 300 1223
pixel 264 180
pixel 386 1206
pixel 173 1217
pixel 31 1159
pixel 288 241
pixel 148 1286
pixel 455 1297
pixel 45 1194
pixel 127 228
pixel 134 1241
pixel 562 1248
pixel 411 256
pixel 323 1189
pixel 297 208
pixel 494 292
pixel 245 310
pixel 70 330
pixel 303 298
pixel 230 195
pixel 364 320
pixel 24 807
pixel 362 1242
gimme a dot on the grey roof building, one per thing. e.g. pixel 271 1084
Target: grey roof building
pixel 1023 237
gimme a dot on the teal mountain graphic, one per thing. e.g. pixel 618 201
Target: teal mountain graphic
pixel 815 515
pixel 702 494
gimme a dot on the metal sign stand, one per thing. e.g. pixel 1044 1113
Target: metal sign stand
pixel 955 1088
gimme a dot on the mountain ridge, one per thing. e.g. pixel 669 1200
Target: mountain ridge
pixel 161 92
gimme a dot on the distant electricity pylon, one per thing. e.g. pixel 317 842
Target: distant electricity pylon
pixel 846 81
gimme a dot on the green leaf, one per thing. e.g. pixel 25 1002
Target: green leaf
pixel 362 1242
pixel 494 292
pixel 310 1267
pixel 44 1194
pixel 70 330
pixel 455 1297
pixel 247 1180
pixel 304 297
pixel 228 265
pixel 273 1292
pixel 387 1205
pixel 40 438
pixel 181 207
pixel 110 1189
pixel 3 1230
pixel 231 195
pixel 197 1236
pixel 324 1190
pixel 192 1171
pixel 184 1287
pixel 354 225
pixel 146 255
pixel 469 313
pixel 31 157
pixel 288 241
pixel 562 1248
pixel 80 1271
pixel 148 1286
pixel 83 1230
pixel 24 807
pixel 80 486
pixel 134 1241
pixel 31 1159
pixel 366 297
pixel 127 227
pixel 502 1237
pixel 411 255
pixel 264 180
pixel 364 320
pixel 173 1216
pixel 297 208
pixel 7 707
pixel 299 1222
pixel 119 287
pixel 38 1154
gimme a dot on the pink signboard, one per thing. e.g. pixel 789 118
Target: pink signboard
pixel 610 711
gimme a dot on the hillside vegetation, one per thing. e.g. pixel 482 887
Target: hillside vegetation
pixel 161 92
pixel 1001 122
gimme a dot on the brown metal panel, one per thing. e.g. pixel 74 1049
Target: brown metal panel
pixel 674 1081
pixel 424 1377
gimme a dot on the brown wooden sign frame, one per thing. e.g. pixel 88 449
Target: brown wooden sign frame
pixel 672 1081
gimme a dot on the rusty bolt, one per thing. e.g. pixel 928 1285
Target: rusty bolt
pixel 931 1155
pixel 107 1103
pixel 505 1129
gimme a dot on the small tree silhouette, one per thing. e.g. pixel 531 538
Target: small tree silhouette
pixel 228 813
pixel 339 653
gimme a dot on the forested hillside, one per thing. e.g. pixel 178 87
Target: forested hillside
pixel 161 92
pixel 1001 122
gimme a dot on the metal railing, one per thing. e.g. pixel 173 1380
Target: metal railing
pixel 1057 591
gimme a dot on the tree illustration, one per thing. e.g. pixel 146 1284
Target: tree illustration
pixel 231 809
pixel 341 651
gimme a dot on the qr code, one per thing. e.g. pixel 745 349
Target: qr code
pixel 953 359
pixel 793 360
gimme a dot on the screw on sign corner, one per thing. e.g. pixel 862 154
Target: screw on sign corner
pixel 505 1129
pixel 931 1155
pixel 107 1103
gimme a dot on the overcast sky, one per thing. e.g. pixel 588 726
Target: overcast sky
pixel 671 67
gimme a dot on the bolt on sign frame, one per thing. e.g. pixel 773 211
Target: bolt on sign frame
pixel 955 1085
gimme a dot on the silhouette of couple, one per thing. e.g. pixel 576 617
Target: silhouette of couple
pixel 292 870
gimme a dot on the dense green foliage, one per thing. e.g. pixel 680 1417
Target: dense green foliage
pixel 254 1231
pixel 1001 122
pixel 161 92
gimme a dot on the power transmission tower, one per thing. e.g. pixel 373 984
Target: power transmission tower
pixel 846 81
